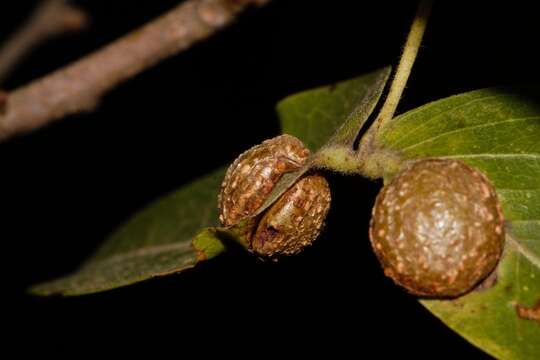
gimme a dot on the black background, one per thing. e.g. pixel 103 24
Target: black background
pixel 66 187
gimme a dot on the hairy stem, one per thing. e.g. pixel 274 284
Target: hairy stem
pixel 374 162
pixel 408 57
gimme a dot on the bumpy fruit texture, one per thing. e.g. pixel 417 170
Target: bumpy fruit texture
pixel 295 220
pixel 252 176
pixel 438 228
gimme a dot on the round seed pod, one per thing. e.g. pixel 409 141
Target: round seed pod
pixel 438 228
pixel 295 220
pixel 252 176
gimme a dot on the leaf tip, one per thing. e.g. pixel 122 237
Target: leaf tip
pixel 43 289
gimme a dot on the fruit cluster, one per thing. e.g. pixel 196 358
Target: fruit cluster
pixel 437 228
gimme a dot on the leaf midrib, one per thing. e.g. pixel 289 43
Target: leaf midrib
pixel 532 156
pixel 141 252
pixel 467 128
pixel 524 250
pixel 435 117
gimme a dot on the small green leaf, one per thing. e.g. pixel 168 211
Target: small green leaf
pixel 332 113
pixel 155 242
pixel 496 130
pixel 327 118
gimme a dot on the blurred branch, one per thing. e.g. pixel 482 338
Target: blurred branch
pixel 3 101
pixel 51 18
pixel 79 86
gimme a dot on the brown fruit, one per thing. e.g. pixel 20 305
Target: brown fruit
pixel 295 220
pixel 252 176
pixel 438 228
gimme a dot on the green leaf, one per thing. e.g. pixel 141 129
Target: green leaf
pixel 155 242
pixel 333 113
pixel 496 130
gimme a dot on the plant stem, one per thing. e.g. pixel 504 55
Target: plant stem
pixel 374 162
pixel 406 62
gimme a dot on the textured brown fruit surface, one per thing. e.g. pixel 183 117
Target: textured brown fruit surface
pixel 252 176
pixel 438 228
pixel 295 220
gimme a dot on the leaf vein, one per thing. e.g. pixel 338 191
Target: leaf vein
pixel 467 128
pixel 145 251
pixel 491 156
pixel 423 108
pixel 523 250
